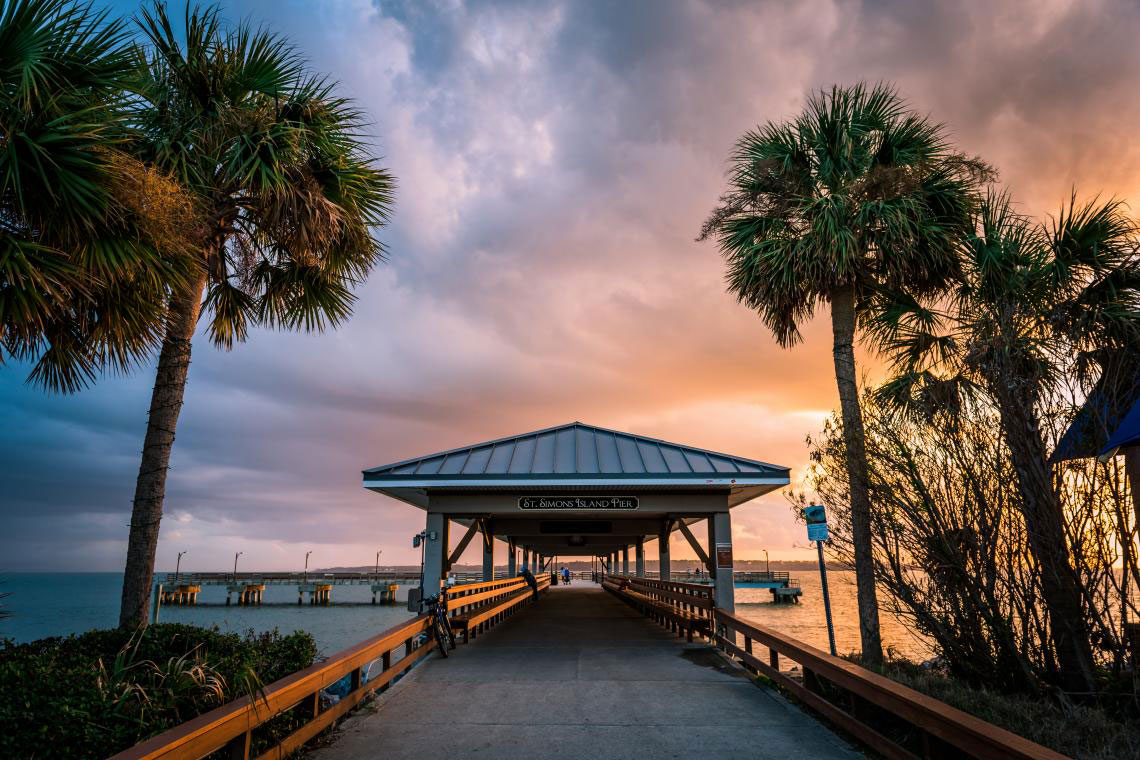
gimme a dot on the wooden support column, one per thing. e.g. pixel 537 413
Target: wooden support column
pixel 625 561
pixel 720 548
pixel 512 558
pixel 664 569
pixel 488 551
pixel 435 553
pixel 639 558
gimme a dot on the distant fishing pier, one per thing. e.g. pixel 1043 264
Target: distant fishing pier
pixel 622 665
pixel 249 588
pixel 182 589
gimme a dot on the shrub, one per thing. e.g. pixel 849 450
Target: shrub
pixel 1082 731
pixel 97 693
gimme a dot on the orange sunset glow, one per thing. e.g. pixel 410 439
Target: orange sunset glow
pixel 555 164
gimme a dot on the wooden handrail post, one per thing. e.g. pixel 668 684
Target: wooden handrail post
pixel 355 679
pixel 238 749
pixel 811 681
pixel 311 705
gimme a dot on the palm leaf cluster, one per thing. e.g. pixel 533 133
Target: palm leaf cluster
pixel 856 191
pixel 91 239
pixel 276 162
pixel 1035 302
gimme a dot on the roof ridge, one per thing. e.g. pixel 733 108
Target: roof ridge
pixel 468 449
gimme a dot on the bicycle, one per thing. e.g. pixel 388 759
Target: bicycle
pixel 439 625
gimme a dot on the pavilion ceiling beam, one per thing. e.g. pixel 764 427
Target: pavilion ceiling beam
pixel 470 534
pixel 704 558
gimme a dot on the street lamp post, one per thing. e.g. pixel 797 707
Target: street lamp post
pixel 178 566
pixel 767 564
pixel 236 555
pixel 378 561
pixel 307 564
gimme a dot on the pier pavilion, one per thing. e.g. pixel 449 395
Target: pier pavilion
pixel 594 669
pixel 578 490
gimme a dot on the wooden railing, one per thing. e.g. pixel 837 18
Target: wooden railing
pixel 684 608
pixel 691 598
pixel 231 727
pixel 856 699
pixel 463 596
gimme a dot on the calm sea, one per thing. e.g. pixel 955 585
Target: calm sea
pixel 58 604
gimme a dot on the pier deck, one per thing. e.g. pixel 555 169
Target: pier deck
pixel 581 675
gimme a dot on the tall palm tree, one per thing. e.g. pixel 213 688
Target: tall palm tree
pixel 1034 301
pixel 856 193
pixel 290 198
pixel 91 240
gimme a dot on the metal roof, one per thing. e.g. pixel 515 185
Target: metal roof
pixel 576 451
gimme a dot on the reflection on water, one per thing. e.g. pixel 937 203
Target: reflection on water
pixel 57 604
pixel 805 621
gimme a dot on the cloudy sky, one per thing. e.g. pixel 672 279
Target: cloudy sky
pixel 555 162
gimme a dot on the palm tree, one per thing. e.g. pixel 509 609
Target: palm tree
pixel 91 240
pixel 289 196
pixel 1034 301
pixel 856 193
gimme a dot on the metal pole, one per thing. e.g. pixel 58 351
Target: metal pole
pixel 306 565
pixel 378 562
pixel 767 564
pixel 236 555
pixel 826 598
pixel 178 566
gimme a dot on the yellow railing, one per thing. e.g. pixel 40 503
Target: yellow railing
pixel 848 695
pixel 396 649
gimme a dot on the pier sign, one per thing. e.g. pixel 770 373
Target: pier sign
pixel 816 518
pixel 724 556
pixel 589 503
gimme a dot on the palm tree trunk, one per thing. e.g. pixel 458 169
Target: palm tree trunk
pixel 150 487
pixel 843 351
pixel 1045 524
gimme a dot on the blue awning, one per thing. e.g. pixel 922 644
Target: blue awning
pixel 1102 425
pixel 1128 434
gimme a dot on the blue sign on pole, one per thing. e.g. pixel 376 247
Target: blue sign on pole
pixel 816 518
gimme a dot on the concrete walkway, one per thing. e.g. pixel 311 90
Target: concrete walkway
pixel 581 676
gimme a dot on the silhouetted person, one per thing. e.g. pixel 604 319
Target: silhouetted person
pixel 530 581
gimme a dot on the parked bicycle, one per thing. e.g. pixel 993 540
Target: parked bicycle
pixel 439 626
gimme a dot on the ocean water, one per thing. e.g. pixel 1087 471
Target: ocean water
pixel 806 621
pixel 59 604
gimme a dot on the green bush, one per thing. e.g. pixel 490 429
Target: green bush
pixel 92 695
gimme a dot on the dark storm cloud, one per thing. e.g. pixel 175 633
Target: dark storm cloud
pixel 555 162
